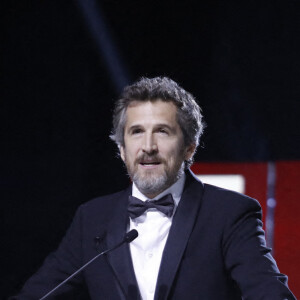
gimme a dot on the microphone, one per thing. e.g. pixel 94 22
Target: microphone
pixel 128 238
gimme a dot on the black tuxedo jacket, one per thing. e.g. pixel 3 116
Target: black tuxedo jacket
pixel 215 250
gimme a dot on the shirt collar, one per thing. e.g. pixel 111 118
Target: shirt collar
pixel 176 190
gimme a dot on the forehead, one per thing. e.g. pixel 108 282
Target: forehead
pixel 151 112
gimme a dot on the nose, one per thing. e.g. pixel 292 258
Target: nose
pixel 149 144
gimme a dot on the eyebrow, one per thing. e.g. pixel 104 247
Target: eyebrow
pixel 134 127
pixel 164 125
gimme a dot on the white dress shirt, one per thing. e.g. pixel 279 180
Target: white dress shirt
pixel 146 250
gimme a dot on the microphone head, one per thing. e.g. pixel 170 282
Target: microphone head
pixel 130 236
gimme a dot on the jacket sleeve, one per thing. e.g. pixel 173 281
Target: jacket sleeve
pixel 247 258
pixel 57 267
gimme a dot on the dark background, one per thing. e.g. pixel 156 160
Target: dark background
pixel 239 58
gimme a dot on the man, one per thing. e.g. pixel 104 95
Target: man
pixel 195 241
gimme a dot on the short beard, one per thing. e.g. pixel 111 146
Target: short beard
pixel 154 185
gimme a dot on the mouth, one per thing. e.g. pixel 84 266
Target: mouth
pixel 149 164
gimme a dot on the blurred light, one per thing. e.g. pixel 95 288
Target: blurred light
pixel 228 181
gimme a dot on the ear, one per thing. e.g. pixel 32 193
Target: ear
pixel 122 152
pixel 189 151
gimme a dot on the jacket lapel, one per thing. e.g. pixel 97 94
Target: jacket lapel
pixel 120 259
pixel 179 234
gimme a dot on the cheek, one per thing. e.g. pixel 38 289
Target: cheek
pixel 130 153
pixel 172 153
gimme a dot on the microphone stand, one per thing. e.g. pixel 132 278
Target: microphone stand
pixel 129 237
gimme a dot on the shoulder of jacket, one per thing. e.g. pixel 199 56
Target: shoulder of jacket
pixel 227 196
pixel 106 200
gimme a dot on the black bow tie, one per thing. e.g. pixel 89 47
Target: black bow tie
pixel 137 207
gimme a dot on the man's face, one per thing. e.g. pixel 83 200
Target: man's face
pixel 154 148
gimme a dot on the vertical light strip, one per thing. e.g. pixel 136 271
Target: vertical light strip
pixel 93 16
pixel 271 205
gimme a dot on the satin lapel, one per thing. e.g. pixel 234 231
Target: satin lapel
pixel 120 259
pixel 180 231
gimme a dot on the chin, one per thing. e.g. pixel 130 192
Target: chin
pixel 149 182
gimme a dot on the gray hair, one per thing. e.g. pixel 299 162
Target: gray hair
pixel 189 115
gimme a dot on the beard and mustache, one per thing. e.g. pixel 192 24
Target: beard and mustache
pixel 153 182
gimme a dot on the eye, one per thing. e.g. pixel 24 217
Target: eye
pixel 136 131
pixel 163 131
